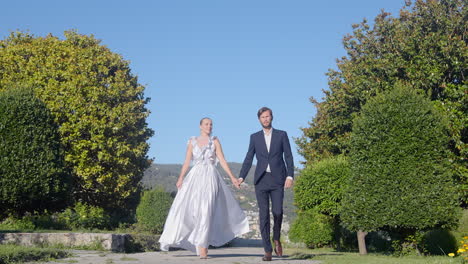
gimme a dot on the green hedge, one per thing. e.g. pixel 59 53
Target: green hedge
pixel 32 173
pixel 83 216
pixel 312 228
pixel 153 209
pixel 321 185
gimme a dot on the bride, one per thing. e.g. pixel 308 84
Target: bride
pixel 204 211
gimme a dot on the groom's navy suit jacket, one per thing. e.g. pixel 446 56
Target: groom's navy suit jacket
pixel 279 146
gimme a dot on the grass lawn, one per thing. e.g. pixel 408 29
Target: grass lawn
pixel 19 254
pixel 330 256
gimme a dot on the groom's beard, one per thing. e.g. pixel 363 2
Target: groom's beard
pixel 266 127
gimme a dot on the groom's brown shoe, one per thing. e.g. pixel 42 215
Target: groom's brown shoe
pixel 278 248
pixel 267 256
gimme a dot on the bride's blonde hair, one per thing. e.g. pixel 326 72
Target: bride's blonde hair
pixel 201 121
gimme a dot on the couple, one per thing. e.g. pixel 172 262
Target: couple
pixel 205 212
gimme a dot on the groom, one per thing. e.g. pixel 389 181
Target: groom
pixel 272 175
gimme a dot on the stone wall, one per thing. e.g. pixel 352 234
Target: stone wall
pixel 113 242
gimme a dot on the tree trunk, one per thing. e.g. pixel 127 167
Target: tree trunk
pixel 361 237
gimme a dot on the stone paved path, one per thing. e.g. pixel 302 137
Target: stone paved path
pixel 226 255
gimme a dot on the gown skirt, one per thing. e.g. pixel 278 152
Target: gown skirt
pixel 204 212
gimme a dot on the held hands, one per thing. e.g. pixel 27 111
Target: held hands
pixel 235 182
pixel 288 184
pixel 240 181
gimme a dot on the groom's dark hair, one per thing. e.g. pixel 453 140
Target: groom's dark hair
pixel 264 109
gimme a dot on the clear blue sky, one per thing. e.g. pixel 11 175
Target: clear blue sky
pixel 222 59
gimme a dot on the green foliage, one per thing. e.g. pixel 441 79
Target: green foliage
pixel 424 47
pixel 78 217
pixel 83 216
pixel 321 185
pixel 312 228
pixel 19 254
pixel 407 246
pixel 12 223
pixel 153 209
pixel 400 177
pixel 98 105
pixel 48 221
pixel 30 223
pixel 439 242
pixel 320 188
pixel 32 174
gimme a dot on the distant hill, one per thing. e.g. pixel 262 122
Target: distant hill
pixel 166 176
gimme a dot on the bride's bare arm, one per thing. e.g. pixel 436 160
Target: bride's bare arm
pixel 222 161
pixel 188 158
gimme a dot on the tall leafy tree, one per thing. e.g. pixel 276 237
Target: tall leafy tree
pixel 32 172
pixel 400 176
pixel 97 103
pixel 426 47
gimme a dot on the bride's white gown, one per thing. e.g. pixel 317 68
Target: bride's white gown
pixel 204 211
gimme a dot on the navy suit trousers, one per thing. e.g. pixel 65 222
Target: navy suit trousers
pixel 268 189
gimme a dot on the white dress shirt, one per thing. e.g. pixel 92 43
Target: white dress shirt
pixel 267 135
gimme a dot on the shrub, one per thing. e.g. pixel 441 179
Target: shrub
pixel 312 228
pixel 153 209
pixel 32 173
pixel 49 221
pixel 83 216
pixel 12 223
pixel 321 185
pixel 439 242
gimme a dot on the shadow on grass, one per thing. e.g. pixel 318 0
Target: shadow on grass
pixel 310 256
pixel 245 242
pixel 214 255
pixel 292 258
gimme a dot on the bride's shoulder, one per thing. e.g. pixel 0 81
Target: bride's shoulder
pixel 192 140
pixel 215 139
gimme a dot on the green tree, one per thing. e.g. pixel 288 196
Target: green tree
pixel 97 103
pixel 312 228
pixel 153 210
pixel 32 173
pixel 400 176
pixel 426 47
pixel 317 193
pixel 321 185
